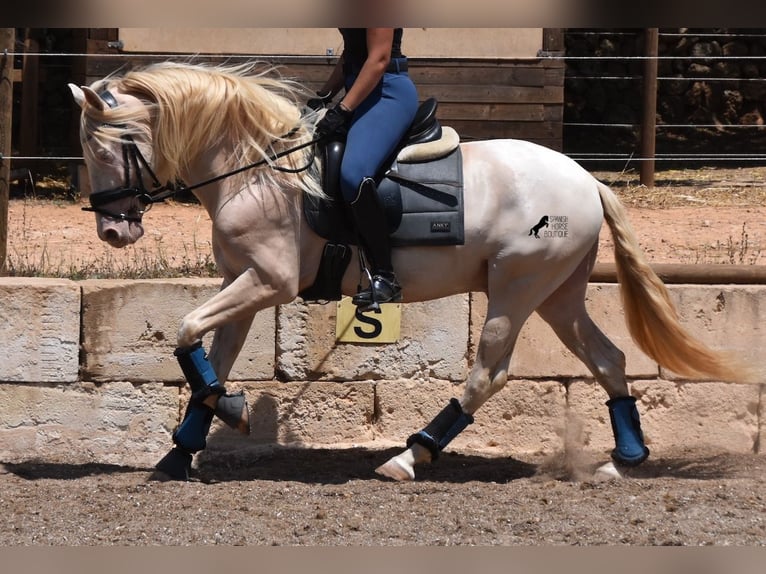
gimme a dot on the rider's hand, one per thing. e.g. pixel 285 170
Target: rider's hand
pixel 320 101
pixel 335 122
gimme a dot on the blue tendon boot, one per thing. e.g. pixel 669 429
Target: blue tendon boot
pixel 450 422
pixel 626 427
pixel 191 434
pixel 189 437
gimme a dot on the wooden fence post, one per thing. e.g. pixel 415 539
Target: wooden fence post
pixel 7 41
pixel 649 120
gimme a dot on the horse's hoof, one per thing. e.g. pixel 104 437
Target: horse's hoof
pixel 232 409
pixel 176 465
pixel 608 471
pixel 397 470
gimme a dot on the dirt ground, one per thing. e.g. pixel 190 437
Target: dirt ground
pixel 332 497
pixel 292 497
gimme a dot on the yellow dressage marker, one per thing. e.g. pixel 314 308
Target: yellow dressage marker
pixel 352 326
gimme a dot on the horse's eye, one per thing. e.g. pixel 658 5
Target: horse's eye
pixel 104 155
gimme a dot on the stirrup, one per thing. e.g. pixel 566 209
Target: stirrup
pixel 381 290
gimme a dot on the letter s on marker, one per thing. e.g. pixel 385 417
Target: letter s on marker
pixel 377 326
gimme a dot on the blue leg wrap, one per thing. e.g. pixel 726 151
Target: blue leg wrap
pixel 198 372
pixel 450 422
pixel 626 427
pixel 192 432
pixel 231 409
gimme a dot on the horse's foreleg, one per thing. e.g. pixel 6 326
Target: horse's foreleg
pixel 201 371
pixel 230 313
pixel 208 398
pixel 191 435
pixel 488 376
pixel 228 341
pixel 238 300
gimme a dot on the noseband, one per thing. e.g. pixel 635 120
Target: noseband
pixel 132 156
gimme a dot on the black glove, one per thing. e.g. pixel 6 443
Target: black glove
pixel 320 101
pixel 335 122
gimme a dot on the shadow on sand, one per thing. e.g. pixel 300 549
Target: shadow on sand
pixel 338 466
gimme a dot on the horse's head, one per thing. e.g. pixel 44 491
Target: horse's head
pixel 115 137
pixel 191 122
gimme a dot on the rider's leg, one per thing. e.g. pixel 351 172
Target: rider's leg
pixel 377 127
pixel 372 230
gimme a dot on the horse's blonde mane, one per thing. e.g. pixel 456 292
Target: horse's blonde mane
pixel 190 109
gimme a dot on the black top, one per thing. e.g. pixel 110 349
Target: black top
pixel 355 46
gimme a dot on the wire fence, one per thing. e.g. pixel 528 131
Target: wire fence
pixel 711 96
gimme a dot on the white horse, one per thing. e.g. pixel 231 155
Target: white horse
pixel 242 139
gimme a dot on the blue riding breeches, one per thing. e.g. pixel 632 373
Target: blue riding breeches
pixel 378 125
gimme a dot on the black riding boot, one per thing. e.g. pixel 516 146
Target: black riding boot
pixel 372 228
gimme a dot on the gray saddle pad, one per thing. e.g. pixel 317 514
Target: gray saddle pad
pixel 423 204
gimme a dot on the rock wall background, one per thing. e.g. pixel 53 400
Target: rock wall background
pixel 89 376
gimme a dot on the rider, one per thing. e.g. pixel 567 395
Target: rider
pixel 378 106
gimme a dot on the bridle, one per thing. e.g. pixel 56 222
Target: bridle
pixel 134 160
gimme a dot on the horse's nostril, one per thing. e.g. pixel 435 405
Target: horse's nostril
pixel 111 235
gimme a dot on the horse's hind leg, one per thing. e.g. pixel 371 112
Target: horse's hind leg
pixel 488 375
pixel 565 312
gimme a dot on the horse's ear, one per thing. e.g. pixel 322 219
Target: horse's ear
pixel 86 94
pixel 94 99
pixel 77 94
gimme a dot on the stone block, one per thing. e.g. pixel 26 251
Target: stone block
pixel 673 415
pixel 114 423
pixel 725 317
pixel 762 422
pixel 719 415
pixel 130 327
pixel 524 417
pixel 433 344
pixel 316 413
pixel 540 353
pixel 39 330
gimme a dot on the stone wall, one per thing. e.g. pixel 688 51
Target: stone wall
pixel 88 375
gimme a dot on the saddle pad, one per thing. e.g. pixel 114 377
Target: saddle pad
pixel 423 203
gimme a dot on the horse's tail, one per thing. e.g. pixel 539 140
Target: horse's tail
pixel 650 314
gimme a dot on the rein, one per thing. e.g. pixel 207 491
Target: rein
pixel 160 192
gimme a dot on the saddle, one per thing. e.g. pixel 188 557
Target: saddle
pixel 420 187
